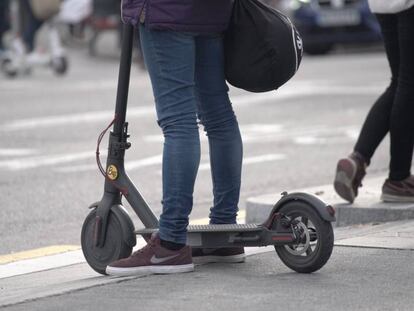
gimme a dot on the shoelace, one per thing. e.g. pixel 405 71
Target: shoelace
pixel 360 175
pixel 151 244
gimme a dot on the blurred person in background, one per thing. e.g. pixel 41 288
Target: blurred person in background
pixel 28 16
pixel 76 14
pixel 30 24
pixel 393 112
pixel 105 16
pixel 32 15
pixel 4 21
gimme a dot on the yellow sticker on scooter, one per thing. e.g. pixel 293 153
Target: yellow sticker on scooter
pixel 112 172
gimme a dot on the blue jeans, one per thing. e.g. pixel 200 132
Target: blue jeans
pixel 187 76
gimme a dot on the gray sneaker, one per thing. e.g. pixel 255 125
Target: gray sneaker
pixel 224 255
pixel 153 259
pixel 398 191
pixel 349 174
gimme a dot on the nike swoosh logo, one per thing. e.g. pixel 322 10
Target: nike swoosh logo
pixel 155 260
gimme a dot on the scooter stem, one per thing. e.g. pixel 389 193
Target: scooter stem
pixel 123 78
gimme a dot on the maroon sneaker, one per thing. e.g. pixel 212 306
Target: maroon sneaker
pixel 225 255
pixel 398 191
pixel 349 174
pixel 153 259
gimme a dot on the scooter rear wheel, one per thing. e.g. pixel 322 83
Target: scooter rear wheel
pixel 317 239
pixel 115 246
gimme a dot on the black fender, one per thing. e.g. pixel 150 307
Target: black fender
pixel 127 226
pixel 326 211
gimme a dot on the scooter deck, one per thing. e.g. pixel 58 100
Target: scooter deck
pixel 213 236
pixel 211 228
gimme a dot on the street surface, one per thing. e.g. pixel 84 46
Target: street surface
pixel 49 126
pixel 292 140
pixel 377 276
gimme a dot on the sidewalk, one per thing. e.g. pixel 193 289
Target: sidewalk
pixel 367 207
pixel 370 269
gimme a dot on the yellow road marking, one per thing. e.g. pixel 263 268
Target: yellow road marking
pixel 39 252
pixel 58 249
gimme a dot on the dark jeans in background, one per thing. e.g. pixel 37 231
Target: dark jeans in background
pixel 29 25
pixel 4 20
pixel 394 110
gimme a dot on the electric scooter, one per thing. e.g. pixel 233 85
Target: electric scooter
pixel 299 225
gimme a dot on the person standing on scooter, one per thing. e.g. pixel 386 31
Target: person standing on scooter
pixel 393 112
pixel 182 44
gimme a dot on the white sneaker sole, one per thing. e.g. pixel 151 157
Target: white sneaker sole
pixel 345 174
pixel 396 199
pixel 145 270
pixel 219 259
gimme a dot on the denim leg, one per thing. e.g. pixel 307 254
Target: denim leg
pixel 170 59
pixel 216 114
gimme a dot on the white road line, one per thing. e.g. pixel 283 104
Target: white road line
pixel 303 89
pixel 252 133
pixel 309 140
pixel 130 165
pixel 74 86
pixel 34 162
pixel 320 133
pixel 248 131
pixel 52 121
pixel 42 263
pixel 262 128
pixel 353 133
pixel 17 152
pixel 252 160
pixel 157 160
pixel 76 168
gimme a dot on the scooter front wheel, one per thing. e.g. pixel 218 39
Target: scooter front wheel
pixel 8 68
pixel 115 246
pixel 315 242
pixel 60 65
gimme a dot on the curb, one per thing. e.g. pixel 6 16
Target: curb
pixel 366 209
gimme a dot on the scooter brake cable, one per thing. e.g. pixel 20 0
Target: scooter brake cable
pixel 98 159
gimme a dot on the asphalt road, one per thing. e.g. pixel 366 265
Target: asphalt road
pixel 354 279
pixel 49 126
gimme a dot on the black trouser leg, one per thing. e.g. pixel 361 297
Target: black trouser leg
pixel 393 111
pixel 402 114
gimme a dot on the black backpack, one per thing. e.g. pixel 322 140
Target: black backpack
pixel 263 49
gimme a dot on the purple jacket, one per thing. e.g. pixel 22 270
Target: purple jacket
pixel 201 16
